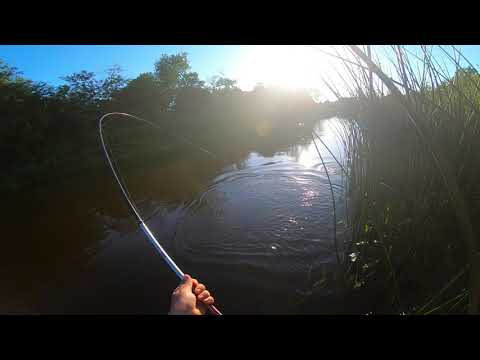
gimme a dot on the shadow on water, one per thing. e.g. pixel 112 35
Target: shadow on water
pixel 258 224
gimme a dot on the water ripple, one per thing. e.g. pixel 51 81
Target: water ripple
pixel 275 215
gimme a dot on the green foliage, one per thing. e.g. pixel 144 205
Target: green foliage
pixel 113 83
pixel 222 84
pixel 407 232
pixel 172 71
pixel 49 132
pixel 7 73
pixel 83 87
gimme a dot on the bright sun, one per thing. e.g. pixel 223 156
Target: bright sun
pixel 286 66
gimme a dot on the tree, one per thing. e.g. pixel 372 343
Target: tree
pixel 113 83
pixel 172 71
pixel 143 95
pixel 222 84
pixel 83 87
pixel 192 100
pixel 7 73
pixel 191 80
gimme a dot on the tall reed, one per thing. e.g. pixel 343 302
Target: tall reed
pixel 413 175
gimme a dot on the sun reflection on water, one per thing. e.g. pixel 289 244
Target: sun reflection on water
pixel 329 131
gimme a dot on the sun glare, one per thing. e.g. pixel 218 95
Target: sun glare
pixel 286 66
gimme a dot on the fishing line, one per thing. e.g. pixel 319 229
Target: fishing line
pixel 333 202
pixel 331 153
pixel 130 203
pixel 136 213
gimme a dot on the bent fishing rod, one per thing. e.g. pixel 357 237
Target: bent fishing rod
pixel 131 205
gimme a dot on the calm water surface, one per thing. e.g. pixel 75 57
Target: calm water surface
pixel 259 233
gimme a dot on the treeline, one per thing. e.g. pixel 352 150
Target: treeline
pixel 48 132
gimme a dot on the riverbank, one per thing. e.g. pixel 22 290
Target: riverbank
pixel 133 145
pixel 414 186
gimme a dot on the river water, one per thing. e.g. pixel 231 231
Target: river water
pixel 258 233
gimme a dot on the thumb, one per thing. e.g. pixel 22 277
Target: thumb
pixel 187 282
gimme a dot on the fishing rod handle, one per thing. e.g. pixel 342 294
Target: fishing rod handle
pixel 213 310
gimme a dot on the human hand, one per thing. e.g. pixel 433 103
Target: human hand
pixel 190 298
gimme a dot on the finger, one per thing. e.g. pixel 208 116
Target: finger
pixel 209 301
pixel 198 290
pixel 205 294
pixel 203 308
pixel 195 283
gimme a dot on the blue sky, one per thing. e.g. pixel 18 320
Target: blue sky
pixel 272 65
pixel 49 62
pixel 287 66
